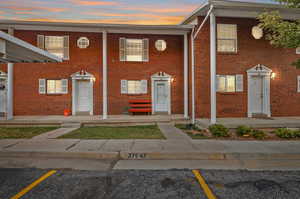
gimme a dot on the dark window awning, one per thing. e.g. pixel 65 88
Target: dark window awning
pixel 14 50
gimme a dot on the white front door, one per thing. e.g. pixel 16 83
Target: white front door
pixel 2 96
pixel 257 94
pixel 161 96
pixel 83 96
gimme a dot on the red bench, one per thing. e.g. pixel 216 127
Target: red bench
pixel 140 106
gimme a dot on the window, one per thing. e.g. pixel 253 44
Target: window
pixel 83 42
pixel 57 45
pixel 298 51
pixel 227 37
pixel 134 49
pixel 53 86
pixel 229 83
pixel 161 45
pixel 134 86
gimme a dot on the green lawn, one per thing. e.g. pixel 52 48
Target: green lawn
pixel 127 132
pixel 23 132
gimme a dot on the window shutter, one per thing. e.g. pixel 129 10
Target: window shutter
pixel 217 83
pixel 239 83
pixel 122 49
pixel 298 83
pixel 146 50
pixel 124 88
pixel 42 86
pixel 64 86
pixel 144 86
pixel 66 48
pixel 41 41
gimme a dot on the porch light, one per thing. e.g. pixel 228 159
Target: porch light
pixel 273 75
pixel 172 79
pixel 93 79
pixel 257 32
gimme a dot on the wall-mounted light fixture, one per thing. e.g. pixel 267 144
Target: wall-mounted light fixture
pixel 273 75
pixel 257 32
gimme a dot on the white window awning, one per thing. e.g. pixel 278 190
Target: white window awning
pixel 14 50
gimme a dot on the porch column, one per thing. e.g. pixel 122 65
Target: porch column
pixel 104 73
pixel 186 102
pixel 213 65
pixel 10 84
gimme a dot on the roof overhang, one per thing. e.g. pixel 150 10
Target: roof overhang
pixel 96 27
pixel 238 9
pixel 14 50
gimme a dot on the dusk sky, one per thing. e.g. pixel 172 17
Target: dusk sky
pixel 100 11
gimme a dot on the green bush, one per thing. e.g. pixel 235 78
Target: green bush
pixel 243 130
pixel 286 133
pixel 258 134
pixel 218 130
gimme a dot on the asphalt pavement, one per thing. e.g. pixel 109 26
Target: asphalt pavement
pixel 150 184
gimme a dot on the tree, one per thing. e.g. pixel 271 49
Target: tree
pixel 282 33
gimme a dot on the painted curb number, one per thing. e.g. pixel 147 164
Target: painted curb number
pixel 136 155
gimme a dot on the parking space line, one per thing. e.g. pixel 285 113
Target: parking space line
pixel 34 184
pixel 209 194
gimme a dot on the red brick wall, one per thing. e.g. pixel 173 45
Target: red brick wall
pixel 28 101
pixel 284 97
pixel 169 61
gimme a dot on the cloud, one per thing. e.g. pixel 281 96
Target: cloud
pixel 34 8
pixel 93 3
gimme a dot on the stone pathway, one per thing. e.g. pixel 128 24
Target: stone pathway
pixel 54 134
pixel 173 133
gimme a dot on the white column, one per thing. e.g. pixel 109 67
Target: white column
pixel 193 77
pixel 186 87
pixel 104 49
pixel 10 85
pixel 213 64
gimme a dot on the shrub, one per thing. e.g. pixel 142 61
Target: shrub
pixel 286 133
pixel 243 130
pixel 258 134
pixel 218 130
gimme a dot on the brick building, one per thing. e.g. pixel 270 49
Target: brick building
pixel 209 66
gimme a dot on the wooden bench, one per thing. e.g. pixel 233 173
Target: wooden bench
pixel 140 106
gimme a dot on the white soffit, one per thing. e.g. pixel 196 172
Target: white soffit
pixel 14 50
pixel 239 9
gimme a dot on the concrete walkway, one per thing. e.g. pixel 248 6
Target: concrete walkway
pixel 54 134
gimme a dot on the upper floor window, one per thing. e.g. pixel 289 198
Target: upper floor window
pixel 57 45
pixel 227 38
pixel 134 50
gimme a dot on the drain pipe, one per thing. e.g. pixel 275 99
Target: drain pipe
pixel 193 37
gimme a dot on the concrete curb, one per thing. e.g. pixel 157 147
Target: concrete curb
pixel 152 155
pixel 83 155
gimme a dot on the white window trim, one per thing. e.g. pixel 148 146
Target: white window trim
pixel 142 90
pixel 298 51
pixel 41 43
pixel 298 83
pixel 123 49
pixel 236 39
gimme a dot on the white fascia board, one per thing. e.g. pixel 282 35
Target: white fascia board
pixel 97 28
pixel 2 47
pixel 29 47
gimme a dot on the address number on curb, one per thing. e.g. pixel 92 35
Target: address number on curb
pixel 137 155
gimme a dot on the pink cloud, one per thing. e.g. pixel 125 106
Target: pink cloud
pixel 93 3
pixel 34 8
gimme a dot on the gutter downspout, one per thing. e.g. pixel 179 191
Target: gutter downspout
pixel 193 37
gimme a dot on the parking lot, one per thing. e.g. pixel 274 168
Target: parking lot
pixel 141 184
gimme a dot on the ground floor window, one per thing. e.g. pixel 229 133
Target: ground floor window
pixel 226 83
pixel 53 86
pixel 134 86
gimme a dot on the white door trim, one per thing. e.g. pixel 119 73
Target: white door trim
pixel 161 76
pixel 79 76
pixel 265 73
pixel 3 76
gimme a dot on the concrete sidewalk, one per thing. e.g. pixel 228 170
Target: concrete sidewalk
pixel 152 149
